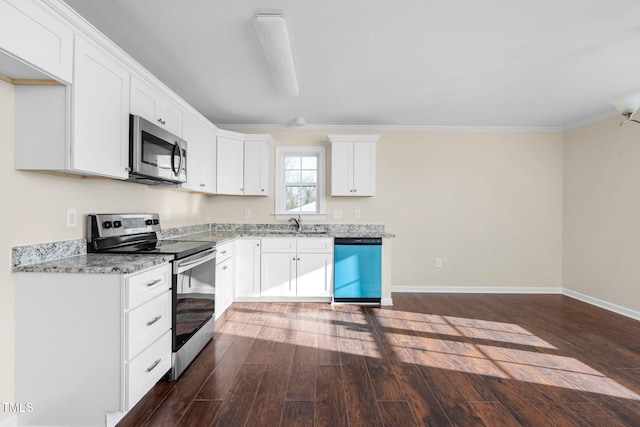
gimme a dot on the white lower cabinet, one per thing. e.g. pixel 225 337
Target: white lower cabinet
pixel 89 346
pixel 278 275
pixel 225 277
pixel 296 267
pixel 314 275
pixel 248 268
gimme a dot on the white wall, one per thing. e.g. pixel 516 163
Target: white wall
pixel 602 212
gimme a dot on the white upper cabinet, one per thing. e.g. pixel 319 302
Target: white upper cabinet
pixel 150 104
pixel 100 105
pixel 81 129
pixel 230 163
pixel 201 155
pixel 31 33
pixel 353 164
pixel 257 161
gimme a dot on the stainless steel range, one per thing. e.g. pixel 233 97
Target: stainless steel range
pixel 193 283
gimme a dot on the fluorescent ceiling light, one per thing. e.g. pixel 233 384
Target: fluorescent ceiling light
pixel 272 32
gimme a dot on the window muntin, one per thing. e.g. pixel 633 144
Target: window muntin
pixel 300 181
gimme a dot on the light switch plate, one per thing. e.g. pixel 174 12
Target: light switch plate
pixel 337 213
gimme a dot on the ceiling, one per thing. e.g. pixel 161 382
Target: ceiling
pixel 371 63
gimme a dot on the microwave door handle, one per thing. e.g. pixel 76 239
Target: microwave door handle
pixel 176 171
pixel 179 169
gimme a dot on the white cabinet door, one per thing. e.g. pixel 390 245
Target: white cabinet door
pixel 248 268
pixel 315 273
pixel 230 165
pixel 278 275
pixel 342 169
pixel 100 118
pixel 150 104
pixel 200 156
pixel 224 285
pixel 364 169
pixel 207 163
pixel 257 161
pixel 30 32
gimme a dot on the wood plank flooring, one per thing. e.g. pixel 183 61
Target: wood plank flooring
pixel 432 360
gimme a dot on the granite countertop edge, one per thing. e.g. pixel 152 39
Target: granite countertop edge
pixel 93 263
pixel 96 264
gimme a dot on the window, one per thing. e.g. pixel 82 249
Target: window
pixel 300 182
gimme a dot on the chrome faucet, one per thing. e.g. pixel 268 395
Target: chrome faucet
pixel 298 222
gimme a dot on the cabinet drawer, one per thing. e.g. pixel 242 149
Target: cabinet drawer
pixel 147 323
pixel 224 252
pixel 147 368
pixel 315 245
pixel 279 244
pixel 146 286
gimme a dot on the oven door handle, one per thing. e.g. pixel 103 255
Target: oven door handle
pixel 194 261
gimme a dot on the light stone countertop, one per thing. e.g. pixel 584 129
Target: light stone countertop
pixel 96 264
pixel 71 256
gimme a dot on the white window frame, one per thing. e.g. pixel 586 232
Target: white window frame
pixel 280 200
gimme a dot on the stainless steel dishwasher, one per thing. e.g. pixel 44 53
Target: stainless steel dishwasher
pixel 358 270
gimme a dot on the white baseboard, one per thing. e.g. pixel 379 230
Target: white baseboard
pixel 386 302
pixel 527 290
pixel 476 289
pixel 12 421
pixel 602 304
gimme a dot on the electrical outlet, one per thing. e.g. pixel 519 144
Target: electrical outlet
pixel 72 217
pixel 356 214
pixel 438 262
pixel 198 213
pixel 337 213
pixel 167 214
pixel 247 213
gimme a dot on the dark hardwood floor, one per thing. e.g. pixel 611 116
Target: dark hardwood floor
pixel 432 359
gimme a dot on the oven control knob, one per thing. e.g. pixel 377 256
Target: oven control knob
pixel 148 222
pixel 117 224
pixel 107 224
pixel 156 222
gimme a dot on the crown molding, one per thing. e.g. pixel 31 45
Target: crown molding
pixel 589 121
pixel 388 128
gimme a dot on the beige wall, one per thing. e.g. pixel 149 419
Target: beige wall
pixel 602 212
pixel 488 204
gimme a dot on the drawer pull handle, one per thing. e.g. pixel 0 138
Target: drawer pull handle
pixel 152 367
pixel 224 267
pixel 223 252
pixel 155 319
pixel 154 282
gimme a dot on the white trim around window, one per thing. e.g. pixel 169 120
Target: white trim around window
pixel 280 209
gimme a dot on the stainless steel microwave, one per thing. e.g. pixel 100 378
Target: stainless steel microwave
pixel 155 155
